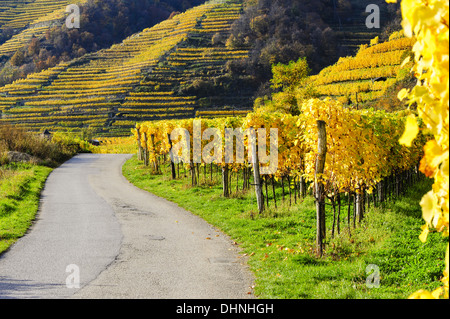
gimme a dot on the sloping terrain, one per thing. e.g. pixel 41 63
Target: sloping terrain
pixel 32 19
pixel 40 38
pixel 18 14
pixel 369 75
pixel 181 68
pixel 349 23
pixel 109 90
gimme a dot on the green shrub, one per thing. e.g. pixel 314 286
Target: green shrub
pixel 50 152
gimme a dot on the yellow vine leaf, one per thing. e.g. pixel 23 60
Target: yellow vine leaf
pixel 423 236
pixel 421 294
pixel 403 94
pixel 428 23
pixel 411 131
pixel 429 207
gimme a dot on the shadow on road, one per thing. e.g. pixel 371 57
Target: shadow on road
pixel 14 288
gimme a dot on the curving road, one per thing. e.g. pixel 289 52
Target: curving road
pixel 117 241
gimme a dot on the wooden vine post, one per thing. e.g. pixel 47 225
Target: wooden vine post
pixel 172 164
pixel 146 154
pixel 359 204
pixel 140 150
pixel 225 181
pixel 257 176
pixel 319 186
pixel 155 162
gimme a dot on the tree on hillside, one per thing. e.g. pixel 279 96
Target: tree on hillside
pixel 18 58
pixel 283 31
pixel 289 75
pixel 287 78
pixel 34 47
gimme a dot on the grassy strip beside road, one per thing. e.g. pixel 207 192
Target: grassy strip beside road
pixel 26 160
pixel 280 243
pixel 20 189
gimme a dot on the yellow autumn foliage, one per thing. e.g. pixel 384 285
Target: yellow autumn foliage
pixel 428 23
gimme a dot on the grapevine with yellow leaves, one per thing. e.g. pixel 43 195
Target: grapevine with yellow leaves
pixel 363 147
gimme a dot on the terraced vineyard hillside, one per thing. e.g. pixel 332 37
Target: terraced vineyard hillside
pixel 368 76
pixel 196 61
pixel 17 14
pixel 176 69
pixel 30 19
pixel 108 91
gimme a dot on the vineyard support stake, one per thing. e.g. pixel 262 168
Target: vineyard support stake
pixel 319 186
pixel 172 163
pixel 257 177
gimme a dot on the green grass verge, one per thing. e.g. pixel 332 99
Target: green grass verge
pixel 280 243
pixel 20 190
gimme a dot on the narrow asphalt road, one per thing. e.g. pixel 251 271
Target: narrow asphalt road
pixel 118 241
